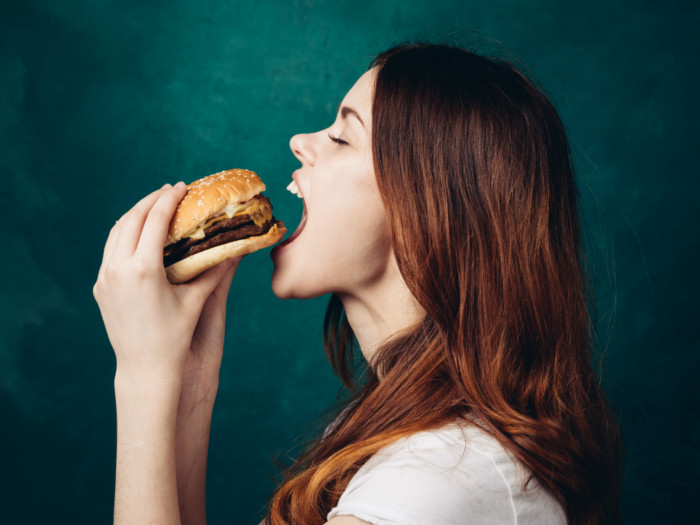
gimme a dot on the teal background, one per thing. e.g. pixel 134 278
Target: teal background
pixel 103 101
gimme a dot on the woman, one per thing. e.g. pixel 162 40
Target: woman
pixel 441 214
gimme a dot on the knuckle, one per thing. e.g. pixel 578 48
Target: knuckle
pixel 139 209
pixel 143 204
pixel 102 285
pixel 199 297
pixel 111 273
pixel 143 268
pixel 114 230
pixel 159 213
pixel 196 298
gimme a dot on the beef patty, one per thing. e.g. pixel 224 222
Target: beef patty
pixel 222 232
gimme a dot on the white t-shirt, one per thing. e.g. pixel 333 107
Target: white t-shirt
pixel 456 475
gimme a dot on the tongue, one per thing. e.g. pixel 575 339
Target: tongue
pixel 296 233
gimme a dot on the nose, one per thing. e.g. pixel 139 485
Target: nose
pixel 303 148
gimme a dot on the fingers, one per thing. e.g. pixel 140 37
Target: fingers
pixel 216 280
pixel 131 224
pixel 212 320
pixel 225 284
pixel 114 234
pixel 156 224
pixel 111 242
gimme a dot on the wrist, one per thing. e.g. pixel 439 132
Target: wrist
pixel 161 389
pixel 201 386
pixel 197 400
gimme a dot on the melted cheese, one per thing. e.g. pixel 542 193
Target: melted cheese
pixel 259 210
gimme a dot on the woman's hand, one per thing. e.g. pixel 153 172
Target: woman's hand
pixel 151 323
pixel 168 341
pixel 206 349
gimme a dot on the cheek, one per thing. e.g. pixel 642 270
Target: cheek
pixel 345 245
pixel 352 236
pixel 343 248
pixel 352 211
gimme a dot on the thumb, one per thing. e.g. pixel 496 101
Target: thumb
pixel 213 316
pixel 218 276
pixel 223 286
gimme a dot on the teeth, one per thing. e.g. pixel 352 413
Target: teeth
pixel 293 188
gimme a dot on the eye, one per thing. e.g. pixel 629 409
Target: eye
pixel 337 140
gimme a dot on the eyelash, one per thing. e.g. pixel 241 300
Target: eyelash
pixel 337 140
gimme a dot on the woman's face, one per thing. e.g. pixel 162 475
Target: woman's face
pixel 342 243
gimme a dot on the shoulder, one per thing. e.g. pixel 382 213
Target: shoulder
pixel 346 520
pixel 456 474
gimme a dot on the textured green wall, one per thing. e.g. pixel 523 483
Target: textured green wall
pixel 102 101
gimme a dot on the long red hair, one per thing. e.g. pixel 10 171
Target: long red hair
pixel 474 167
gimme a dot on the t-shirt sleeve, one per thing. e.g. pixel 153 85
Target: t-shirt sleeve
pixel 426 479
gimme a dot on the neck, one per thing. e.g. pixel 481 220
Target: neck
pixel 380 311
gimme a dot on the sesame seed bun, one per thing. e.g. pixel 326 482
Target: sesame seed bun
pixel 210 199
pixel 206 198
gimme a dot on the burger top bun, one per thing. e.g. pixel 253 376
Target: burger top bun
pixel 206 198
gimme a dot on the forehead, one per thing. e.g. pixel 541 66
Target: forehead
pixel 360 95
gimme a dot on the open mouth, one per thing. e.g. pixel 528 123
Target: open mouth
pixel 296 233
pixel 293 188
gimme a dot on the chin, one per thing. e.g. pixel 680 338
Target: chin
pixel 289 284
pixel 280 288
pixel 283 283
pixel 284 289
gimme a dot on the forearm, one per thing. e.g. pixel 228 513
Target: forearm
pixel 145 484
pixel 191 446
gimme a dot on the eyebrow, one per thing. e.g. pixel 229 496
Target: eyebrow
pixel 346 110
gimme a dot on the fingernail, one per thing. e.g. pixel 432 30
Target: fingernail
pixel 166 186
pixel 180 184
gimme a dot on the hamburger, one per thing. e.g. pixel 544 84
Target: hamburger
pixel 221 216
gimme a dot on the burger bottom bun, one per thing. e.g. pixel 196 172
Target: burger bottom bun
pixel 189 268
